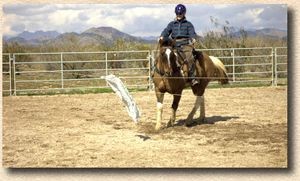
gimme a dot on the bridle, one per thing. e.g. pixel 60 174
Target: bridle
pixel 168 53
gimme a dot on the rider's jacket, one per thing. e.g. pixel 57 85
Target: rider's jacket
pixel 179 30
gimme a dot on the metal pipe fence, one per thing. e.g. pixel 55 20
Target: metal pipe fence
pixel 280 69
pixel 55 72
pixel 246 65
pixel 6 74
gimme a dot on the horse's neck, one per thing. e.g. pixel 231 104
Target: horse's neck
pixel 159 65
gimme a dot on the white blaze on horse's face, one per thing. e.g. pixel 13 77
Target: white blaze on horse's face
pixel 168 52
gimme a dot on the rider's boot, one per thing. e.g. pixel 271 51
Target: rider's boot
pixel 194 80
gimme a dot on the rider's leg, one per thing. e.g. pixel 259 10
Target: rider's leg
pixel 191 62
pixel 183 62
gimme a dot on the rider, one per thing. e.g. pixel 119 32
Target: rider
pixel 183 32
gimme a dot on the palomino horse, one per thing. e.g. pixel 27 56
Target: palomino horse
pixel 168 77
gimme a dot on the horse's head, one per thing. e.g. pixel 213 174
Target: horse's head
pixel 167 57
pixel 166 42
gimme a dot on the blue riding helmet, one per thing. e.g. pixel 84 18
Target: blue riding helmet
pixel 180 9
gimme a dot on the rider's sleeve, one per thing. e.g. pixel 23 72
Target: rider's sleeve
pixel 191 31
pixel 167 31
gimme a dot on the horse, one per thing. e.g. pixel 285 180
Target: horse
pixel 168 77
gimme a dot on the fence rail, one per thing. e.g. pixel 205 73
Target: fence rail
pixel 30 73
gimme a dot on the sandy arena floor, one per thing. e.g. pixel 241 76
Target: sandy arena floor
pixel 248 129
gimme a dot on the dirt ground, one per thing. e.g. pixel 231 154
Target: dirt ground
pixel 247 128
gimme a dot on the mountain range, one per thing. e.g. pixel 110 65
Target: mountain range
pixel 266 32
pixel 108 35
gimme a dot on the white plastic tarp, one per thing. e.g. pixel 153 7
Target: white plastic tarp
pixel 119 88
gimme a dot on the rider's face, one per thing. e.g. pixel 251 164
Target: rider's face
pixel 179 16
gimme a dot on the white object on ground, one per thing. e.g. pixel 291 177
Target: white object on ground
pixel 119 88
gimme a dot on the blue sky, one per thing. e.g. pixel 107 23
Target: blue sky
pixel 137 19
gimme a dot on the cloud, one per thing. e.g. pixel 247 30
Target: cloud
pixel 275 16
pixel 142 19
pixel 106 17
pixel 146 20
pixel 83 16
pixel 28 9
pixel 249 16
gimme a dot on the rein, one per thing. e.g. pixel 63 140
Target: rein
pixel 163 74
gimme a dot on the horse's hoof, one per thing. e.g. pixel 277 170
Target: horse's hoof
pixel 170 123
pixel 201 121
pixel 157 127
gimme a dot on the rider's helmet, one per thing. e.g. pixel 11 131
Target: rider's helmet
pixel 180 9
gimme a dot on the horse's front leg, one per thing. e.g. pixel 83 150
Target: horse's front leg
pixel 159 111
pixel 176 100
pixel 199 103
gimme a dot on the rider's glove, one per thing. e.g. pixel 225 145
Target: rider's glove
pixel 193 40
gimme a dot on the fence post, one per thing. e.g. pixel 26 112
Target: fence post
pixel 10 73
pixel 149 75
pixel 106 64
pixel 62 70
pixel 274 71
pixel 14 76
pixel 152 62
pixel 233 65
pixel 106 67
pixel 273 66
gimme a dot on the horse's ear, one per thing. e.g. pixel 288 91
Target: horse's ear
pixel 160 41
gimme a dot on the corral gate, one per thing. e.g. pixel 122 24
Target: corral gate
pixel 54 72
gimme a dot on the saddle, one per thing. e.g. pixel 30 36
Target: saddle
pixel 198 55
pixel 188 64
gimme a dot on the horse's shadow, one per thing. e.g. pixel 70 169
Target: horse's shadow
pixel 208 120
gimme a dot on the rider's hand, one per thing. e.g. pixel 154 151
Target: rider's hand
pixel 160 38
pixel 193 40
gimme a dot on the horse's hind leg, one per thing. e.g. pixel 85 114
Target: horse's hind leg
pixel 176 99
pixel 199 103
pixel 189 119
pixel 202 110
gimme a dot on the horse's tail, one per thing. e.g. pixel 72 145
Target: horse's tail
pixel 221 72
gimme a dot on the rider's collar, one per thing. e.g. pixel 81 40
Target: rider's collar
pixel 181 20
